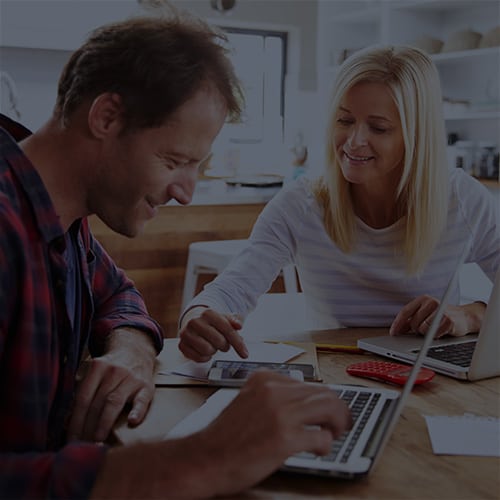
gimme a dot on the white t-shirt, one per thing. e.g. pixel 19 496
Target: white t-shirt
pixel 364 288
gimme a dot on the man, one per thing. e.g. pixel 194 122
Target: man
pixel 137 110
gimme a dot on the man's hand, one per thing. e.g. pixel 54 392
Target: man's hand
pixel 417 316
pixel 123 375
pixel 272 418
pixel 205 331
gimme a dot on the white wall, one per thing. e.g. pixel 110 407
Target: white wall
pixel 63 24
pixel 38 36
pixel 35 73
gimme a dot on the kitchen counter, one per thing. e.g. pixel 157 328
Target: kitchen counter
pixel 156 259
pixel 217 192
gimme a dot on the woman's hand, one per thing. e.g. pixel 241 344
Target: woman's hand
pixel 204 332
pixel 417 316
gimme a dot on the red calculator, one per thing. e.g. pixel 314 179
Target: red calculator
pixel 395 373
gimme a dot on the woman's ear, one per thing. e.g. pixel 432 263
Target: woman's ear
pixel 105 115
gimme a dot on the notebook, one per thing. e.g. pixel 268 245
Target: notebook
pixel 472 357
pixel 375 413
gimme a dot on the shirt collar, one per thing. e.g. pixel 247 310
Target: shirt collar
pixel 27 175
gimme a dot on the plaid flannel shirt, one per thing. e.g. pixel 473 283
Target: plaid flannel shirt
pixel 39 352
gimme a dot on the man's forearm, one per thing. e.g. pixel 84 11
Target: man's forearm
pixel 169 469
pixel 132 341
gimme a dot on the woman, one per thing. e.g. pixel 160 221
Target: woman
pixel 378 237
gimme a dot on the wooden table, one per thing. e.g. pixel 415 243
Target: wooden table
pixel 408 467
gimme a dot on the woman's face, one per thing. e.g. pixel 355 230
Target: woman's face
pixel 368 136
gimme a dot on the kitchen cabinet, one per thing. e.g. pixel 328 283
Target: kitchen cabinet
pixel 469 78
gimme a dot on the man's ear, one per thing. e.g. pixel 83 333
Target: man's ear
pixel 105 115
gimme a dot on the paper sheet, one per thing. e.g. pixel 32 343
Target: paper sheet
pixel 258 351
pixel 464 435
pixel 206 413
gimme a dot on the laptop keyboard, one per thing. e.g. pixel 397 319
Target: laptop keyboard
pixel 456 354
pixel 361 404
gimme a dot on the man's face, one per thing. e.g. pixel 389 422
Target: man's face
pixel 144 169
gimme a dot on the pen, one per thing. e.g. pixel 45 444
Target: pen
pixel 338 348
pixel 320 347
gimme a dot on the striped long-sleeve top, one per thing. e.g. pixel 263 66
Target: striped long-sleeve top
pixel 368 286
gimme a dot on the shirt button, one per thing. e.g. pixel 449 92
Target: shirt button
pixel 65 360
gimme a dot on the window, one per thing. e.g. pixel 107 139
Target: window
pixel 259 58
pixel 260 63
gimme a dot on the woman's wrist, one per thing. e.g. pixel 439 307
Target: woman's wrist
pixel 474 313
pixel 192 312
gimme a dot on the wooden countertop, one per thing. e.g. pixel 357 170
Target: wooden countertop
pixel 408 467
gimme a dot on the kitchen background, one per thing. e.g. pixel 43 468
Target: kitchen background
pixel 286 53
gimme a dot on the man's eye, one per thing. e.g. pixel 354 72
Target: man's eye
pixel 171 164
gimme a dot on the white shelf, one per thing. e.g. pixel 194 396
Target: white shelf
pixel 474 115
pixel 466 54
pixel 455 56
pixel 468 75
pixel 440 5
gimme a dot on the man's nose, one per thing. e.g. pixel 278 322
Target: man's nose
pixel 183 189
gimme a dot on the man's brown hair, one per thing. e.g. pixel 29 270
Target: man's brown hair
pixel 155 64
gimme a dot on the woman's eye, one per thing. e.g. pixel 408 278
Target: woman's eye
pixel 344 121
pixel 379 130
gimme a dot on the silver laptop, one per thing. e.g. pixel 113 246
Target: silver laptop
pixel 472 357
pixel 375 413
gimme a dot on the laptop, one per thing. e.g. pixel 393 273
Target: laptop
pixel 473 357
pixel 375 413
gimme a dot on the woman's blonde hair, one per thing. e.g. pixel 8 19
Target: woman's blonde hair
pixel 422 192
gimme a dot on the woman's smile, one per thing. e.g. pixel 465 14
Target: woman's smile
pixel 357 159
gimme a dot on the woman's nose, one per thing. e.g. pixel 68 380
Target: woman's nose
pixel 357 137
